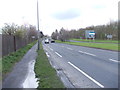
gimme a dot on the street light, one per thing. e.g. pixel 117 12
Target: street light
pixel 38 24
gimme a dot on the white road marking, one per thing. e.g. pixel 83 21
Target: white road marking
pixel 114 60
pixel 51 49
pixel 87 53
pixel 58 54
pixel 47 54
pixel 90 54
pixel 62 46
pixel 70 48
pixel 81 51
pixel 96 82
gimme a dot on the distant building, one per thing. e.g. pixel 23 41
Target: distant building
pixel 89 34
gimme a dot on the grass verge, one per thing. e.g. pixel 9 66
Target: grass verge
pixel 46 75
pixel 9 61
pixel 102 41
pixel 107 46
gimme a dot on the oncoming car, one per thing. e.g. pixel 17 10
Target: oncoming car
pixel 46 41
pixel 52 41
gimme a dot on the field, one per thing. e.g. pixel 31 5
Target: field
pixel 103 41
pixel 107 46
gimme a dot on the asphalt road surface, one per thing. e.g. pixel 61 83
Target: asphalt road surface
pixel 85 67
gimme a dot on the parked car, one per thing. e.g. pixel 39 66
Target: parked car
pixel 46 41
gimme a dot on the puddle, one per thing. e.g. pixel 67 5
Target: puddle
pixel 30 81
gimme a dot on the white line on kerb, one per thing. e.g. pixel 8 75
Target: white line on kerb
pixel 51 49
pixel 47 54
pixel 114 60
pixel 96 82
pixel 58 54
pixel 87 53
pixel 70 48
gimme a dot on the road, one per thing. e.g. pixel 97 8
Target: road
pixel 85 67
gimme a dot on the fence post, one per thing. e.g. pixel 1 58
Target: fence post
pixel 14 43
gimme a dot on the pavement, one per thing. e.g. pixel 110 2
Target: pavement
pixel 85 67
pixel 22 75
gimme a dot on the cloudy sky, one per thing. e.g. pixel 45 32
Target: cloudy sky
pixel 54 14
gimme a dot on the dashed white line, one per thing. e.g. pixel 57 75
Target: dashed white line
pixel 90 54
pixel 81 51
pixel 114 60
pixel 70 48
pixel 51 49
pixel 47 54
pixel 58 54
pixel 87 53
pixel 62 46
pixel 96 82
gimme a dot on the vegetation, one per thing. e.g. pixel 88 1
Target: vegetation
pixel 9 61
pixel 101 32
pixel 45 73
pixel 102 41
pixel 107 46
pixel 20 31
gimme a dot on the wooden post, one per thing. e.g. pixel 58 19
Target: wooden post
pixel 14 43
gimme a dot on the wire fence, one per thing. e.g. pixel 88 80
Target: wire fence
pixel 12 43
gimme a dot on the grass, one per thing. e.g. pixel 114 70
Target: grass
pixel 107 46
pixel 45 73
pixel 104 41
pixel 9 61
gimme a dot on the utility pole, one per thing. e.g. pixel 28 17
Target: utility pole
pixel 38 24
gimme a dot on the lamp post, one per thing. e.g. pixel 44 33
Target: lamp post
pixel 38 24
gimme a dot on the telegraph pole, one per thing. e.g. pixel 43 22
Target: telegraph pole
pixel 38 24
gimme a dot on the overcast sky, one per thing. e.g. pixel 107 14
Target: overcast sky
pixel 55 14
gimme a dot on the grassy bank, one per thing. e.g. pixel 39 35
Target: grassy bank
pixel 107 46
pixel 45 73
pixel 102 41
pixel 9 61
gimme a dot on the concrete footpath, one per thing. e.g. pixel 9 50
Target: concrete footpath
pixel 22 75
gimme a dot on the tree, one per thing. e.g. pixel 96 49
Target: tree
pixel 31 31
pixel 55 35
pixel 64 34
pixel 101 32
pixel 9 29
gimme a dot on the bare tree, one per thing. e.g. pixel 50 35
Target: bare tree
pixel 101 32
pixel 9 29
pixel 31 31
pixel 64 35
pixel 55 34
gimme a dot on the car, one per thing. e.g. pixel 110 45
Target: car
pixel 52 41
pixel 46 41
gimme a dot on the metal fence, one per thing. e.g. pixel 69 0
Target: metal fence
pixel 13 43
